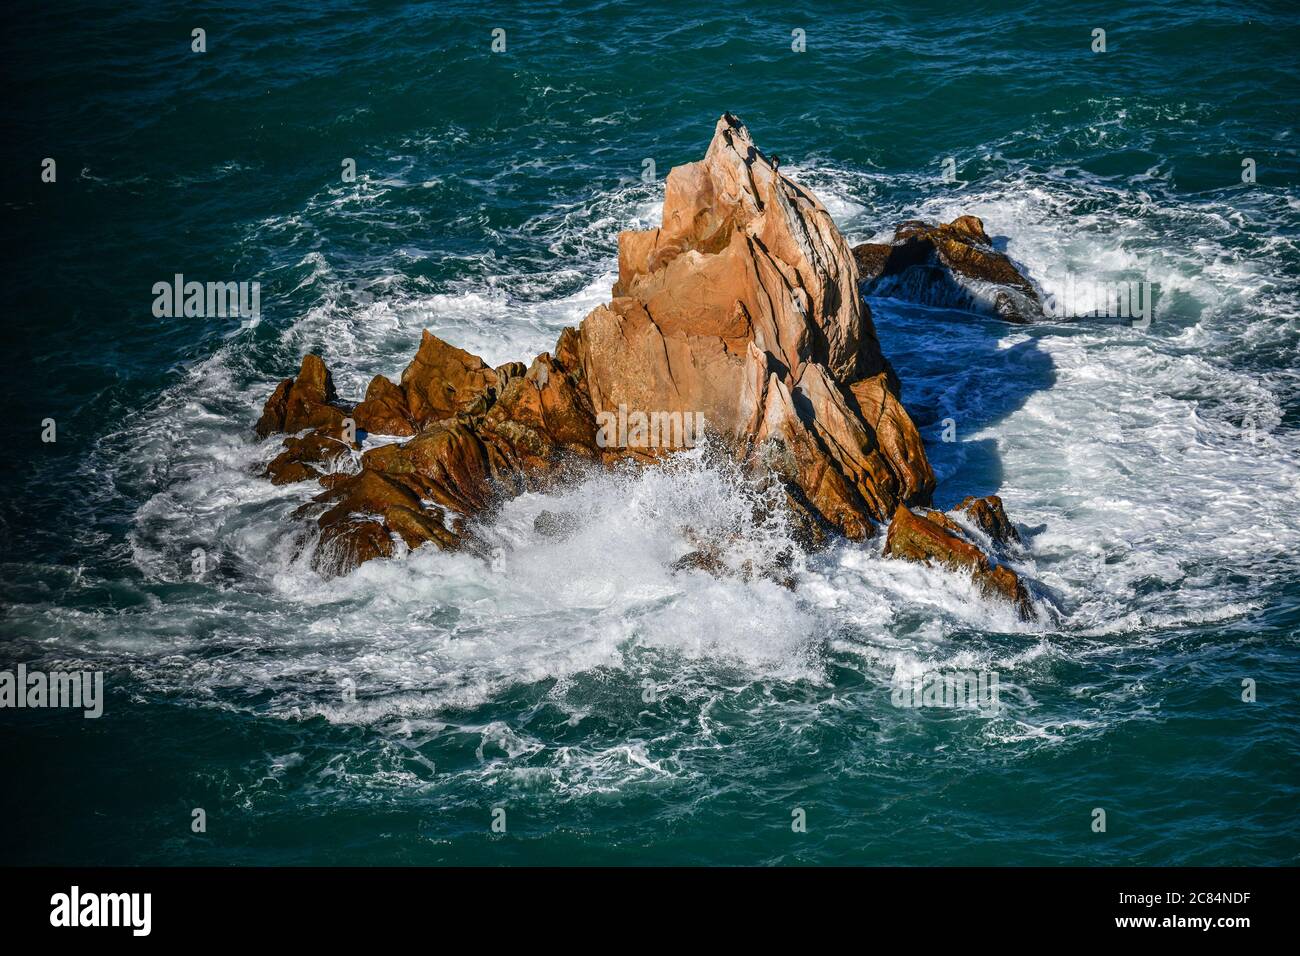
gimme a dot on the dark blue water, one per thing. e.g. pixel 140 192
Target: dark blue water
pixel 1153 472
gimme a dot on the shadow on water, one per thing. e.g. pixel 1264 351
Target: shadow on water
pixel 959 379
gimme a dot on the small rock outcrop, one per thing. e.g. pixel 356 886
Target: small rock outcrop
pixel 306 402
pixel 953 265
pixel 740 316
pixel 935 538
pixel 441 382
pixel 990 516
pixel 506 431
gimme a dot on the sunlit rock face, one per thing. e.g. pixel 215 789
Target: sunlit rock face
pixel 744 305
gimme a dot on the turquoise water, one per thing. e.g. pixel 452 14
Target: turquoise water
pixel 1154 473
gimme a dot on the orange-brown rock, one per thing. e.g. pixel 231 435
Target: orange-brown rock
pixel 384 410
pixel 943 521
pixel 518 434
pixel 899 441
pixel 872 259
pixel 540 420
pixel 443 380
pixel 926 540
pixel 363 513
pixel 446 463
pixel 304 401
pixel 272 419
pixel 953 265
pixel 990 517
pixel 440 382
pixel 315 454
pixel 743 306
pixel 346 545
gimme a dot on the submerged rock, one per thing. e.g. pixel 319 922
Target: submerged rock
pixel 935 538
pixel 952 265
pixel 712 559
pixel 551 524
pixel 741 310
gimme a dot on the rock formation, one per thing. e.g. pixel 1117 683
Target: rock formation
pixel 741 310
pixel 989 516
pixel 306 401
pixel 953 265
pixel 935 538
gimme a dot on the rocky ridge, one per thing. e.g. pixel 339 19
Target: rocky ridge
pixel 742 310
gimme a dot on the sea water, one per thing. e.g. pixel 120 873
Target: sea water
pixel 603 707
